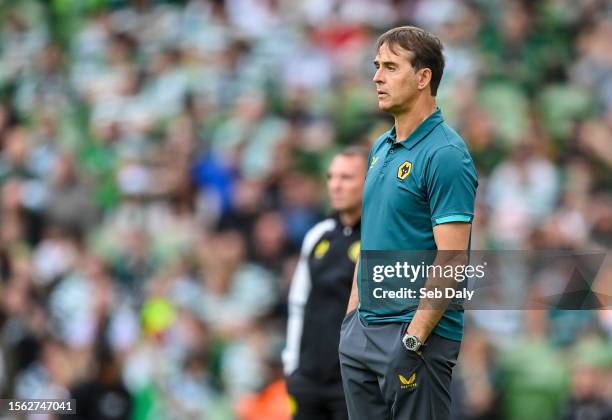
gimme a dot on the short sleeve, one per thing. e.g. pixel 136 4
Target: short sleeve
pixel 451 186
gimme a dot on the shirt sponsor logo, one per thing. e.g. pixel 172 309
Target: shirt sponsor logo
pixel 374 160
pixel 353 251
pixel 321 249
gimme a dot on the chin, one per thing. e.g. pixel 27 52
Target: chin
pixel 384 106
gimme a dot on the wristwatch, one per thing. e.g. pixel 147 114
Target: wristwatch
pixel 412 343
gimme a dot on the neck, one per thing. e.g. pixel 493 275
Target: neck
pixel 350 217
pixel 408 120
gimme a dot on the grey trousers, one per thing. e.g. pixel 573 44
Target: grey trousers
pixel 383 381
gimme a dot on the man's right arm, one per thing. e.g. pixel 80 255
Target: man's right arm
pixel 354 297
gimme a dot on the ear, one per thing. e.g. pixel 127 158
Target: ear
pixel 424 78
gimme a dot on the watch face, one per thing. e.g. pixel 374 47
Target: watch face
pixel 411 342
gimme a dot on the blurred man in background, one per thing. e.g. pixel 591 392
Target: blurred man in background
pixel 319 291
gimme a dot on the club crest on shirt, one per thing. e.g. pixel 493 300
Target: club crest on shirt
pixel 321 249
pixel 353 251
pixel 404 170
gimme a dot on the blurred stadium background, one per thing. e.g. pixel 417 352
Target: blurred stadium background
pixel 160 162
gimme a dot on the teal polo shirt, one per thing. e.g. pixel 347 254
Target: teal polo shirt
pixel 411 186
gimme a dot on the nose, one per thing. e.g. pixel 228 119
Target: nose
pixel 378 76
pixel 334 185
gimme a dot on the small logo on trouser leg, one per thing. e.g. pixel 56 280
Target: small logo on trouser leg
pixel 409 383
pixel 293 405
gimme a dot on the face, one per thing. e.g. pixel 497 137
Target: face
pixel 397 83
pixel 345 179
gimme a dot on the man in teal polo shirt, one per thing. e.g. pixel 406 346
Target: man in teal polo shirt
pixel 419 194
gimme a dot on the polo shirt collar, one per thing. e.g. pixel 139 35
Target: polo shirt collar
pixel 420 132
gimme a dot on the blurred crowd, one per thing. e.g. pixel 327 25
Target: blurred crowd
pixel 161 161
